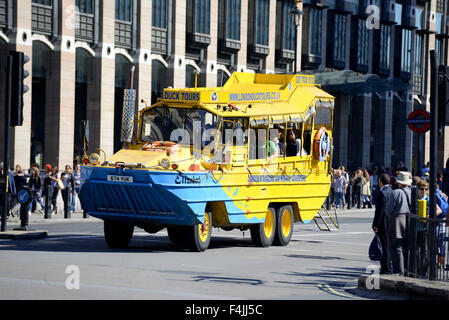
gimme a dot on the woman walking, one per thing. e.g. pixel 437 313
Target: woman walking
pixel 366 190
pixel 54 177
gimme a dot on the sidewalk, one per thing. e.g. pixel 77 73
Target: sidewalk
pixel 414 288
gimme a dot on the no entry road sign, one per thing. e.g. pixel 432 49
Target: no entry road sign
pixel 419 121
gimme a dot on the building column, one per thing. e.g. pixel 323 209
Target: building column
pixel 209 69
pixel 176 63
pixel 242 54
pixel 60 109
pixel 383 130
pixel 270 59
pixel 341 128
pixel 143 55
pixel 101 94
pixel 20 40
pixel 360 138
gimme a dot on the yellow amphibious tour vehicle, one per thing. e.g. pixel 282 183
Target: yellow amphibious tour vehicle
pixel 254 154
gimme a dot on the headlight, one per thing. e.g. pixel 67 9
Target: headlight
pixel 165 163
pixel 94 158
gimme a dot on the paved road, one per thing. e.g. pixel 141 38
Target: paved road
pixel 315 265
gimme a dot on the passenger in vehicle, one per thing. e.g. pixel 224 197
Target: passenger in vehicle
pixel 294 146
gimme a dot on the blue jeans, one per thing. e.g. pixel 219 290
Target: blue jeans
pixel 339 197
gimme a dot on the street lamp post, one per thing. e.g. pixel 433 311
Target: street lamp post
pixel 296 13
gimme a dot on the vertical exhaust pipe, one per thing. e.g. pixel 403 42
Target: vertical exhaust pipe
pixel 129 102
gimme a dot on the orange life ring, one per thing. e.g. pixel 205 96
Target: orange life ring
pixel 321 147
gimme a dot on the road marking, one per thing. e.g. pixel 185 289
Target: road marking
pixel 333 253
pixel 328 289
pixel 338 242
pixel 332 234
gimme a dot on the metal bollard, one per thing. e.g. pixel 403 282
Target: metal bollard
pixel 349 193
pixel 24 197
pixel 67 205
pixel 48 191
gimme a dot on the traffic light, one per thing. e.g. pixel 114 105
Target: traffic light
pixel 18 88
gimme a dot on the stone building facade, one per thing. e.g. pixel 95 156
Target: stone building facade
pixel 372 55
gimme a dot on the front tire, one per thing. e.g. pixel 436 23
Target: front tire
pixel 118 234
pixel 284 229
pixel 198 237
pixel 263 234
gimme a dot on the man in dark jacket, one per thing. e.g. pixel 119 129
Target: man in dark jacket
pixel 380 221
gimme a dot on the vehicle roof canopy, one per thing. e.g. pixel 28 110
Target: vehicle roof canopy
pixel 255 95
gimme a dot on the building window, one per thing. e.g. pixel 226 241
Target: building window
pixel 3 13
pixel 85 6
pixel 42 16
pixel 311 38
pixel 43 2
pixel 418 72
pixel 159 37
pixel 262 22
pixel 385 47
pixel 338 40
pixel 440 6
pixel 362 44
pixel 202 16
pixel 159 12
pixel 123 10
pixel 288 34
pixel 406 51
pixel 233 9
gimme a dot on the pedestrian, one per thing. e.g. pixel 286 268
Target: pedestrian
pixel 425 169
pixel 339 189
pixel 398 209
pixel 366 190
pixel 445 188
pixel 346 176
pixel 422 229
pixel 358 187
pixel 54 182
pixel 441 213
pixel 35 183
pixel 374 179
pixel 69 187
pixel 48 188
pixel 77 180
pixel 380 222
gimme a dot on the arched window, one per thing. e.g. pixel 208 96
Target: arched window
pixel 158 80
pixel 222 78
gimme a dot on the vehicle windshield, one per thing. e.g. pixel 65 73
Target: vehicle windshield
pixel 176 124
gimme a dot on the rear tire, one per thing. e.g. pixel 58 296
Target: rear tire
pixel 284 229
pixel 197 237
pixel 118 234
pixel 263 234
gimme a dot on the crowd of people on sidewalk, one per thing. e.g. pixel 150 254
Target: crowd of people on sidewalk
pixel 393 204
pixel 44 187
pixel 360 187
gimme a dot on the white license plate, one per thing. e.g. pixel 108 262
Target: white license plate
pixel 120 179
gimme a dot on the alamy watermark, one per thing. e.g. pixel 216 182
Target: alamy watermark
pixel 372 282
pixel 72 282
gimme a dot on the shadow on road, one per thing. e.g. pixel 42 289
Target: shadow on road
pixel 95 243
